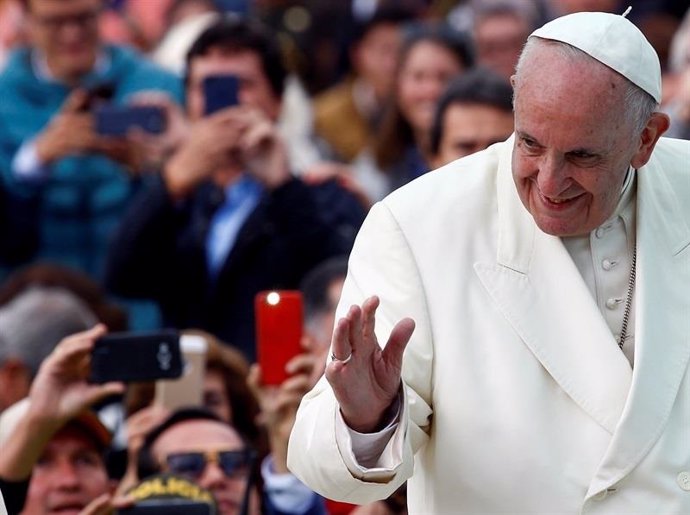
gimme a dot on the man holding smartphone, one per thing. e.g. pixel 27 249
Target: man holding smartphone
pixel 50 151
pixel 53 448
pixel 226 217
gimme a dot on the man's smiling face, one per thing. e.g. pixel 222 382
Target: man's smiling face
pixel 573 144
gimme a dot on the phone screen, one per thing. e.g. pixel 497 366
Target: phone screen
pixel 220 91
pixel 279 320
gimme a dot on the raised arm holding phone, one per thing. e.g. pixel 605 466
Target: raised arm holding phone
pixel 59 396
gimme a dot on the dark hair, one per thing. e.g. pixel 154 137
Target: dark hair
pixel 59 276
pixel 384 15
pixel 477 86
pixel 236 34
pixel 233 367
pixel 315 285
pixel 396 133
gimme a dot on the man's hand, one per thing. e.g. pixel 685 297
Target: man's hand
pixel 211 144
pixel 139 425
pixel 279 404
pixel 70 132
pixel 157 148
pixel 262 151
pixel 60 390
pixel 366 384
pixel 106 504
pixel 236 139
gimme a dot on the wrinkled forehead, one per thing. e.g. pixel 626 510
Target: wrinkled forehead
pixel 550 66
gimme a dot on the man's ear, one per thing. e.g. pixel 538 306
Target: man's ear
pixel 658 124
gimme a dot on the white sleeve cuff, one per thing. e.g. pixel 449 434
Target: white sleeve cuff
pixel 372 456
pixel 27 167
pixel 285 491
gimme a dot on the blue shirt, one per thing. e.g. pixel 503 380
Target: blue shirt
pixel 241 197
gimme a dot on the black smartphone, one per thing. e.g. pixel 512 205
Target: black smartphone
pixel 98 94
pixel 220 91
pixel 168 507
pixel 114 120
pixel 135 356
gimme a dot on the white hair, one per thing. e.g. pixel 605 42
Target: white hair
pixel 33 322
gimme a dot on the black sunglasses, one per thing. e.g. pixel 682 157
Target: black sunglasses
pixel 234 464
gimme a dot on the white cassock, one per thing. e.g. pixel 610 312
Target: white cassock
pixel 517 397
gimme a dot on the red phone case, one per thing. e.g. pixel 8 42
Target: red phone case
pixel 279 319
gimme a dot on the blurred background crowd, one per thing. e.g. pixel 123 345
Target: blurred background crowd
pixel 339 103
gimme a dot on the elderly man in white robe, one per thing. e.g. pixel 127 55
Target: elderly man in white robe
pixel 532 302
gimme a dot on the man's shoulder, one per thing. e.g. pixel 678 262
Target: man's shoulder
pixel 464 186
pixel 16 68
pixel 138 72
pixel 672 156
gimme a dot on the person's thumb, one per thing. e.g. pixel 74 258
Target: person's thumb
pixel 400 336
pixel 97 393
pixel 77 101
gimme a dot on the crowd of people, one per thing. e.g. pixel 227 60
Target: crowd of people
pixel 182 225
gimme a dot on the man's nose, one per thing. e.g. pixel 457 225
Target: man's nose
pixel 552 178
pixel 213 475
pixel 66 475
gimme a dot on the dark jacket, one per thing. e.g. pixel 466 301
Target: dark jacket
pixel 159 253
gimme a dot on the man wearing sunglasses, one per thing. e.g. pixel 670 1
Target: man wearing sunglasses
pixel 195 444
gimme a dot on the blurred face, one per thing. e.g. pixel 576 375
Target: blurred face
pixel 254 89
pixel 376 57
pixel 205 437
pixel 573 146
pixel 66 32
pixel 469 128
pixel 424 74
pixel 69 475
pixel 499 39
pixel 320 327
pixel 215 395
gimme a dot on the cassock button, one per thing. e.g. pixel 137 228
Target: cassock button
pixel 612 303
pixel 601 231
pixel 683 480
pixel 607 264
